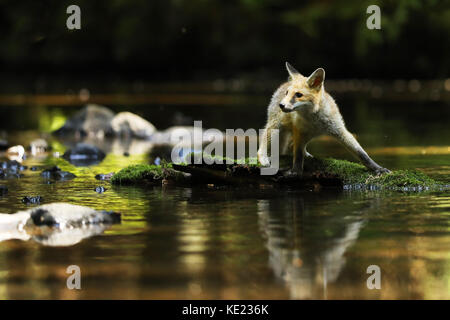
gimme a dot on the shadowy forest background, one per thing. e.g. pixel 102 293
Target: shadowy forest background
pixel 172 61
pixel 166 40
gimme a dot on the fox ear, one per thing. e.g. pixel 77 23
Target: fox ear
pixel 316 79
pixel 291 70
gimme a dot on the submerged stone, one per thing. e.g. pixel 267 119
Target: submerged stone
pixel 57 174
pixel 84 154
pixel 32 200
pixel 12 166
pixel 11 169
pixel 103 176
pixel 3 190
pixel 100 189
pixel 5 174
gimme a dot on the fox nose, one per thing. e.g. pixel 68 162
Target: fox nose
pixel 282 106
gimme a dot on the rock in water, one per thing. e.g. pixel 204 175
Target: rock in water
pixel 98 121
pixel 32 200
pixel 56 224
pixel 84 155
pixel 12 166
pixel 103 176
pixel 16 153
pixel 11 169
pixel 38 146
pixel 100 189
pixel 128 124
pixel 57 174
pixel 92 120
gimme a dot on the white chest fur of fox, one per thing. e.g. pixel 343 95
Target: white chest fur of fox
pixel 301 109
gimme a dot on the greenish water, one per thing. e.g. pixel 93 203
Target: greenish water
pixel 248 243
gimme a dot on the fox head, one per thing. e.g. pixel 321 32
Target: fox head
pixel 303 92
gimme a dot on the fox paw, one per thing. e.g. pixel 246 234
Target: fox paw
pixel 264 160
pixel 381 170
pixel 308 155
pixel 292 174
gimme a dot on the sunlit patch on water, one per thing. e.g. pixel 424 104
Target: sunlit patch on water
pixel 417 150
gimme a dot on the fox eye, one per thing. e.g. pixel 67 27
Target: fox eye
pixel 287 92
pixel 298 94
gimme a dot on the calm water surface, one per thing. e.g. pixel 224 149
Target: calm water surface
pixel 249 243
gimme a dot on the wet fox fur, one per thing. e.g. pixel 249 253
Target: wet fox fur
pixel 301 109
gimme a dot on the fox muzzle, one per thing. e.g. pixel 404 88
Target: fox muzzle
pixel 286 108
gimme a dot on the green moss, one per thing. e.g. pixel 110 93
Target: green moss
pixel 353 173
pixel 146 174
pixel 138 174
pixel 251 161
pixel 350 173
pixel 402 179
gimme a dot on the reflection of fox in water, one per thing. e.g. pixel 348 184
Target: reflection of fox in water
pixel 301 109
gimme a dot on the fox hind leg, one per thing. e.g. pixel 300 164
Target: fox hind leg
pixel 349 141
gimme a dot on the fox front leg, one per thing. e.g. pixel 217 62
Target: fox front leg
pixel 265 144
pixel 299 159
pixel 298 156
pixel 306 153
pixel 285 142
pixel 349 141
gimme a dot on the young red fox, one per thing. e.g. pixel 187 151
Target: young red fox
pixel 301 109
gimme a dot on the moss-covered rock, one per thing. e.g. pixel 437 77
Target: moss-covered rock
pixel 138 174
pixel 355 174
pixel 402 179
pixel 218 160
pixel 147 174
pixel 326 172
pixel 346 171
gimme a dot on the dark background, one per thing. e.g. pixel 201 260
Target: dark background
pixel 168 40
